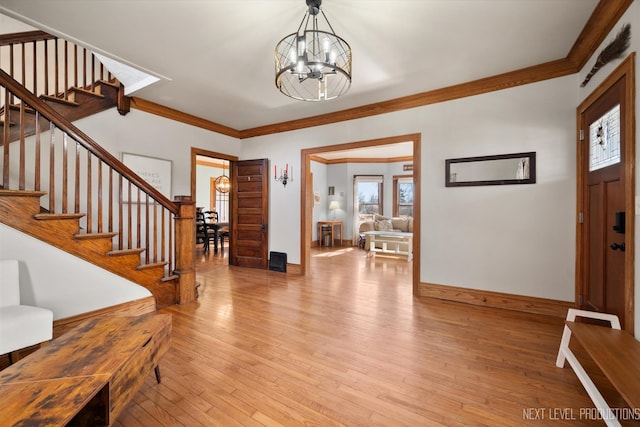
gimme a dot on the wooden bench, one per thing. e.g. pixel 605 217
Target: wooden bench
pixel 614 351
pixel 86 376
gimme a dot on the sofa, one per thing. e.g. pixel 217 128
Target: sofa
pixel 383 223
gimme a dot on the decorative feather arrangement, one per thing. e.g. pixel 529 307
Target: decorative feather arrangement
pixel 613 50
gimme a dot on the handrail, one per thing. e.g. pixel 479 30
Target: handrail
pixel 88 143
pixel 24 37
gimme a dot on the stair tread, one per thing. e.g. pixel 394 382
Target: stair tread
pixel 170 278
pixel 59 100
pixel 119 252
pixel 87 92
pixel 53 216
pixel 154 265
pixel 87 236
pixel 22 193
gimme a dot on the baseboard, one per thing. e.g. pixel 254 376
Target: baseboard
pixel 522 303
pixel 294 268
pixel 131 308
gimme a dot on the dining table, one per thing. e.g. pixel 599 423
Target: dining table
pixel 215 226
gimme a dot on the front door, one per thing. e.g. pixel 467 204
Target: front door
pixel 605 218
pixel 248 246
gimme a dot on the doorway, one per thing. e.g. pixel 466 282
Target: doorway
pixel 606 197
pixel 209 173
pixel 307 196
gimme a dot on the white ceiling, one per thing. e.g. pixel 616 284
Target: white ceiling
pixel 215 57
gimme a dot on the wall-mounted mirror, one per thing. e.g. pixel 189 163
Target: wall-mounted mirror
pixel 501 169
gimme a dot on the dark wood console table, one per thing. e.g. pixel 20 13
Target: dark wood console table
pixel 86 376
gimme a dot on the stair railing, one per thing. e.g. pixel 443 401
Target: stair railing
pixel 82 177
pixel 49 66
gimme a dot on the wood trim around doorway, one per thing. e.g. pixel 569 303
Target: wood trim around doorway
pixel 625 70
pixel 306 202
pixel 201 152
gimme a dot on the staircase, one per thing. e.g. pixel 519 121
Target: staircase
pixel 60 186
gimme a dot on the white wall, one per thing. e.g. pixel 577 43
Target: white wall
pixel 517 239
pixel 632 16
pixel 63 283
pixel 147 134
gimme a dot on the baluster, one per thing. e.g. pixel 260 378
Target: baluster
pixel 130 219
pixel 36 166
pixel 52 155
pixel 21 172
pixel 120 213
pixel 76 196
pixel 35 69
pixel 65 172
pixel 146 230
pixel 23 65
pixel 84 68
pixel 46 67
pixel 75 65
pixel 162 236
pixel 171 263
pixel 99 196
pixel 93 72
pixel 10 71
pixel 89 200
pixel 110 199
pixel 66 70
pixel 139 223
pixel 5 140
pixel 57 68
pixel 155 231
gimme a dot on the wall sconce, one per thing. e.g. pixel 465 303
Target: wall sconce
pixel 284 175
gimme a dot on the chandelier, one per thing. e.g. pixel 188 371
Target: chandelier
pixel 313 64
pixel 222 183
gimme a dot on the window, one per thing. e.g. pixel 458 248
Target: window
pixel 368 195
pixel 604 137
pixel 403 196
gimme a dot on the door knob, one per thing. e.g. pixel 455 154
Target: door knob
pixel 616 246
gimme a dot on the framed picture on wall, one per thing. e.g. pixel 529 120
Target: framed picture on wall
pixel 316 198
pixel 154 171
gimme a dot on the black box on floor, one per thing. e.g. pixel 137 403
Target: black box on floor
pixel 278 261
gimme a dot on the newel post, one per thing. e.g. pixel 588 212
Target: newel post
pixel 185 242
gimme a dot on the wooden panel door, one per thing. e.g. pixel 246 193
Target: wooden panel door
pixel 248 246
pixel 604 146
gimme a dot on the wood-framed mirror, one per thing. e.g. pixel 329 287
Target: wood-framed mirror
pixel 500 169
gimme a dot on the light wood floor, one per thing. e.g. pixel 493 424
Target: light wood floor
pixel 349 345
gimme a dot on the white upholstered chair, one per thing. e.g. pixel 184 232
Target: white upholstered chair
pixel 21 326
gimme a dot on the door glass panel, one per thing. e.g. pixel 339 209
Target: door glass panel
pixel 604 140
